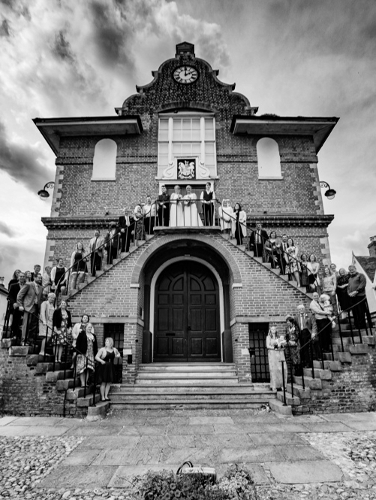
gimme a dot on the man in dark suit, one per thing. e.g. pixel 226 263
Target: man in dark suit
pixel 112 243
pixel 305 324
pixel 283 256
pixel 126 225
pixel 163 203
pixel 96 248
pixel 14 308
pixel 257 240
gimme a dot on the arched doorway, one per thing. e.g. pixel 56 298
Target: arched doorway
pixel 186 315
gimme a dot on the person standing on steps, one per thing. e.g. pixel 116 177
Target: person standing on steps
pixel 304 322
pixel 239 224
pixel 105 358
pixel 96 249
pixel 257 240
pixel 126 225
pixel 112 243
pixel 13 304
pixel 47 310
pixel 275 356
pixel 62 328
pixel 27 300
pixel 87 348
pixel 59 278
pixel 357 292
pixel 78 265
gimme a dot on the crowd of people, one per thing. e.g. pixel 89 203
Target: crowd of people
pixel 307 335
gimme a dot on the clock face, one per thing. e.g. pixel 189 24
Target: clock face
pixel 185 74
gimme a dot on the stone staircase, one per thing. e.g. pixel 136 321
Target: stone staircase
pixel 189 386
pixel 268 266
pixel 341 382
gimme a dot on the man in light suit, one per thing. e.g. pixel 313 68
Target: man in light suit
pixel 27 300
pixel 126 228
pixel 96 246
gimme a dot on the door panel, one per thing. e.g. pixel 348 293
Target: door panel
pixel 187 314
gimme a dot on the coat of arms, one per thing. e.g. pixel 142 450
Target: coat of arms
pixel 186 169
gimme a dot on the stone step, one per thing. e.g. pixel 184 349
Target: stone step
pixel 193 368
pixel 87 401
pixel 319 364
pixel 188 375
pixel 311 383
pixel 79 392
pixel 158 404
pixel 58 375
pixel 344 357
pixel 259 259
pixel 182 389
pixel 290 400
pixel 68 383
pixel 299 392
pixel 242 247
pixel 358 349
pixel 251 253
pixel 90 279
pixel 99 273
pixel 118 397
pixel 278 407
pixel 198 381
pixel 319 373
pixel 276 271
pixel 267 265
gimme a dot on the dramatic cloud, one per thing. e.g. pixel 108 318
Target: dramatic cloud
pixel 8 231
pixel 22 162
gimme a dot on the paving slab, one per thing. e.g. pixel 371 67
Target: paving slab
pixel 191 429
pixel 45 421
pixel 81 457
pixel 327 427
pixel 300 453
pixel 362 425
pixel 223 440
pixel 316 471
pixel 189 441
pixel 210 420
pixel 283 426
pixel 109 442
pixel 228 429
pixel 6 420
pixel 346 417
pixel 78 476
pixel 301 419
pixel 201 456
pixel 43 431
pixel 94 430
pixel 276 438
pixel 123 475
pixel 151 430
pixel 267 418
pixel 12 430
pixel 259 455
pixel 139 455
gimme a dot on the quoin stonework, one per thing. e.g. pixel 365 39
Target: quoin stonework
pixel 187 294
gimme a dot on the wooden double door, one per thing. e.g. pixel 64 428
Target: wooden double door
pixel 186 324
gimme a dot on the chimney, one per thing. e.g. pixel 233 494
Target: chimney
pixel 372 246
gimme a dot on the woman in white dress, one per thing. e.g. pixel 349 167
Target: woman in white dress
pixel 226 216
pixel 275 356
pixel 176 211
pixel 191 216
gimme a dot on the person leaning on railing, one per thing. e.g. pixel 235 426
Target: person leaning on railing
pixel 239 224
pixel 149 212
pixel 257 240
pixel 341 290
pixel 323 311
pixel 207 198
pixel 225 214
pixel 96 249
pixel 78 267
pixel 126 225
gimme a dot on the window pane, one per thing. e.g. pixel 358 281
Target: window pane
pixel 176 148
pixel 268 159
pixel 196 132
pixel 209 147
pixel 104 162
pixel 209 160
pixel 187 148
pixel 196 148
pixel 209 129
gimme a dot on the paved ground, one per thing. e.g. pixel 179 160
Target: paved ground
pixel 328 456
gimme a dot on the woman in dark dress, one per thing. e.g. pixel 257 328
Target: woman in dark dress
pixel 78 265
pixel 304 280
pixel 59 278
pixel 270 250
pixel 87 348
pixel 105 358
pixel 341 290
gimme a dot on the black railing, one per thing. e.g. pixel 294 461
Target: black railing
pixel 358 318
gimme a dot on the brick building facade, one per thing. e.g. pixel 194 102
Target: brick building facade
pixel 186 113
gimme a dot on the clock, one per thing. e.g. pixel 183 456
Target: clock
pixel 185 74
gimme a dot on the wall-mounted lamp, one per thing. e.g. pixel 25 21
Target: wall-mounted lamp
pixel 43 193
pixel 329 193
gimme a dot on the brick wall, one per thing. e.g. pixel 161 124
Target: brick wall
pixel 350 390
pixel 25 393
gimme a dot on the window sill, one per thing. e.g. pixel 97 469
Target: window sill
pixel 271 178
pixel 103 179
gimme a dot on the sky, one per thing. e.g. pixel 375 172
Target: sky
pixel 289 57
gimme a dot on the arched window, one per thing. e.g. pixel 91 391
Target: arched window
pixel 268 159
pixel 104 163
